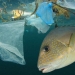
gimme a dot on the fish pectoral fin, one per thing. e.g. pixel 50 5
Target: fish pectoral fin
pixel 65 39
pixel 72 41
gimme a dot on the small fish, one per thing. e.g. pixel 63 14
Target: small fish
pixel 17 14
pixel 57 49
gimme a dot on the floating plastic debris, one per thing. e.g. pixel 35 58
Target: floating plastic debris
pixel 45 12
pixel 38 23
pixel 11 42
pixel 67 3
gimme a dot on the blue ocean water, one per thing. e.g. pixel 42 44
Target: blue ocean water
pixel 32 42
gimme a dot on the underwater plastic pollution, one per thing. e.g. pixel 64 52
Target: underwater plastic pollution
pixel 11 42
pixel 67 3
pixel 45 12
pixel 38 23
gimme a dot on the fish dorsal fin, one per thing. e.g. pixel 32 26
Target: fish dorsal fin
pixel 65 39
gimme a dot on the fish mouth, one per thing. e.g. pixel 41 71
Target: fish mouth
pixel 48 68
pixel 43 69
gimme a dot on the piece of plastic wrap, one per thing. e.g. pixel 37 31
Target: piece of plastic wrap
pixel 45 12
pixel 11 42
pixel 38 23
pixel 67 3
pixel 30 7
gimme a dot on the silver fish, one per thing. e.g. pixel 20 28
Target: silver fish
pixel 57 49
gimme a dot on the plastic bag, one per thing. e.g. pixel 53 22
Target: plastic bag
pixel 67 3
pixel 38 23
pixel 45 12
pixel 11 42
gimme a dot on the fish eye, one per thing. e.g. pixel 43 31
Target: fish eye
pixel 46 48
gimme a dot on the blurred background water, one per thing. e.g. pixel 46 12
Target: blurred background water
pixel 32 42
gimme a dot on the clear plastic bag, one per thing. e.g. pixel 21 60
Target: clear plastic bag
pixel 11 42
pixel 38 23
pixel 67 3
